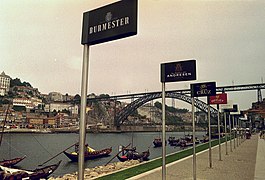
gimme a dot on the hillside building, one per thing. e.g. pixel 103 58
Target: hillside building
pixel 59 107
pixel 4 83
pixel 55 96
pixel 29 103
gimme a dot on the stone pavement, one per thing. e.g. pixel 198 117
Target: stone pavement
pixel 246 161
pixel 260 161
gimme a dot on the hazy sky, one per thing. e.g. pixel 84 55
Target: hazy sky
pixel 40 44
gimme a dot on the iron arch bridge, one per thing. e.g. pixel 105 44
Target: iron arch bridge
pixel 130 108
pixel 177 94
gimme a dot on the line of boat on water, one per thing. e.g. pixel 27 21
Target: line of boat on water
pixel 124 153
pixel 8 172
pixel 185 141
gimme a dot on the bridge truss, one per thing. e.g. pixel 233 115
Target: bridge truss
pixel 130 108
pixel 142 98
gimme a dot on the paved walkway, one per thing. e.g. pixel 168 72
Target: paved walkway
pixel 246 161
pixel 260 161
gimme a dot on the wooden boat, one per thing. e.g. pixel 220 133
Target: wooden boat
pixel 132 154
pixel 11 162
pixel 89 153
pixel 158 142
pixel 172 141
pixel 39 173
pixel 188 141
pixel 8 162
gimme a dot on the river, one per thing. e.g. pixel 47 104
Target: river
pixel 40 147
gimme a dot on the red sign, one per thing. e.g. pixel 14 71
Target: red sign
pixel 218 99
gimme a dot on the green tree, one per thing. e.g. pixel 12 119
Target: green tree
pixel 173 120
pixel 17 82
pixel 158 105
pixel 77 98
pixel 170 108
pixel 103 96
pixel 27 84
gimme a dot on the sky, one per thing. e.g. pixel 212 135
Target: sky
pixel 40 43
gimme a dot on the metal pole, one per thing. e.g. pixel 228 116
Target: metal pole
pixel 219 132
pixel 193 138
pixel 82 123
pixel 230 132
pixel 234 132
pixel 239 124
pixel 210 138
pixel 226 151
pixel 163 133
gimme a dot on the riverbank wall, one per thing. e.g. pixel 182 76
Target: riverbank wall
pixel 121 129
pixel 76 130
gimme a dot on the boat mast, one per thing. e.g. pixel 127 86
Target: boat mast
pixel 3 127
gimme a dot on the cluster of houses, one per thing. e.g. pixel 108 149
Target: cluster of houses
pixel 29 108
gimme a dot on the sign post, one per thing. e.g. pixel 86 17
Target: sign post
pixel 173 72
pixel 193 139
pixel 82 123
pixel 234 132
pixel 210 136
pixel 163 131
pixel 198 90
pixel 230 131
pixel 234 111
pixel 231 108
pixel 219 133
pixel 226 151
pixel 219 99
pixel 226 109
pixel 111 22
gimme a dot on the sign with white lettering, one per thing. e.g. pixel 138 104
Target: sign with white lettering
pixel 111 22
pixel 178 71
pixel 203 89
pixel 218 99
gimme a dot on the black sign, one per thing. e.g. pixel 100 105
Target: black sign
pixel 114 21
pixel 234 109
pixel 203 89
pixel 178 71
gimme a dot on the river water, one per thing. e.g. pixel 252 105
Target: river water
pixel 40 147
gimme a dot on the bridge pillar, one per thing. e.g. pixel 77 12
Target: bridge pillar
pixel 115 121
pixel 259 95
pixel 173 102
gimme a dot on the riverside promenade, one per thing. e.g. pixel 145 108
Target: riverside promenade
pixel 245 160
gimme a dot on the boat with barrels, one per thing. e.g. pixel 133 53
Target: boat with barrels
pixel 89 153
pixel 11 162
pixel 7 173
pixel 132 154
